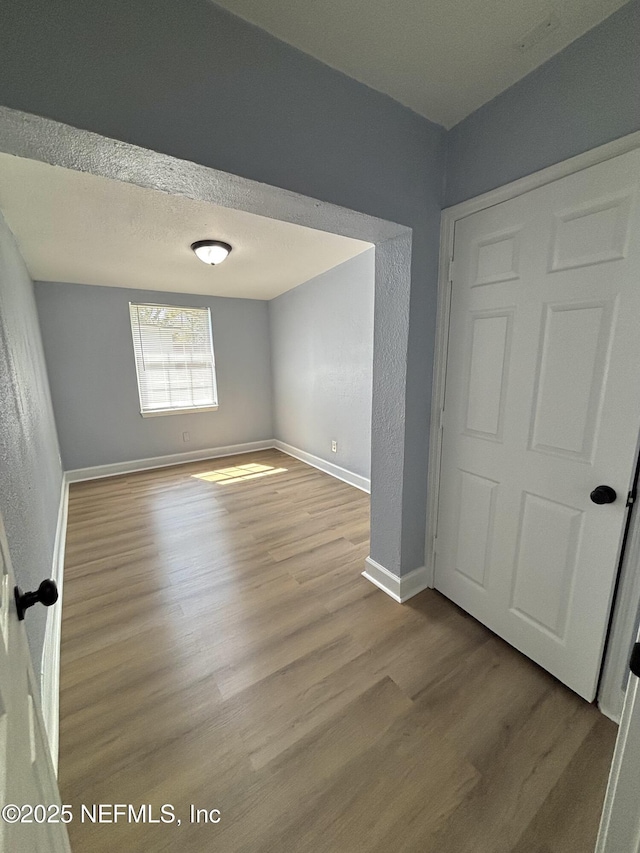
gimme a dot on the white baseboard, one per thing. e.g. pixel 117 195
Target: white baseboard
pixel 614 714
pixel 50 667
pixel 336 471
pixel 115 468
pixel 400 588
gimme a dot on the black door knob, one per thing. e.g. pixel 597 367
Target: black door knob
pixel 47 594
pixel 603 495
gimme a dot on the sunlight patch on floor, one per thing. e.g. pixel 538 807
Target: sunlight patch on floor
pixel 238 473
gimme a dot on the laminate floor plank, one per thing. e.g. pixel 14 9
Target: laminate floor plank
pixel 221 649
pixel 570 815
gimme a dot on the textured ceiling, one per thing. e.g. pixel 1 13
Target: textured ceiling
pixel 75 227
pixel 441 58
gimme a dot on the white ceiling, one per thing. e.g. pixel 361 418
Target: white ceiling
pixel 442 58
pixel 75 227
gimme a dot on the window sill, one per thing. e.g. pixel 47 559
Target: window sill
pixel 162 412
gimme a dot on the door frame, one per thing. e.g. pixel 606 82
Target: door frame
pixel 625 608
pixel 620 821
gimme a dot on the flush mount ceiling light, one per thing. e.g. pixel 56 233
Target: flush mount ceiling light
pixel 211 251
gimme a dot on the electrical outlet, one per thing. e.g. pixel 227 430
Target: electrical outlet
pixel 334 446
pixel 186 437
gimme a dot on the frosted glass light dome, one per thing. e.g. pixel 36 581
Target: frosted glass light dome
pixel 211 252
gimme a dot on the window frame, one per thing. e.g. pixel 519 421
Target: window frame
pixel 155 413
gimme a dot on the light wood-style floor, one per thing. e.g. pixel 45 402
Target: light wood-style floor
pixel 221 649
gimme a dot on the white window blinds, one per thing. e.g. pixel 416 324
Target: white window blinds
pixel 174 358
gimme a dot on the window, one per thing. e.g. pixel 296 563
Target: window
pixel 174 359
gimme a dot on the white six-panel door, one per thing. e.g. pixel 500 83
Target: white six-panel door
pixel 27 777
pixel 542 405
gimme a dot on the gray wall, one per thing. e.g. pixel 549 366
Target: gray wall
pixel 584 96
pixel 87 342
pixel 322 362
pixel 185 78
pixel 30 470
